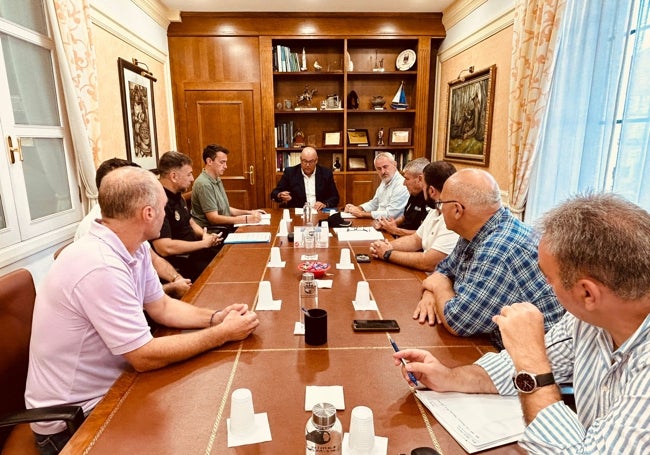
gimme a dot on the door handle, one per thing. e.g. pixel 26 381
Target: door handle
pixel 251 174
pixel 13 149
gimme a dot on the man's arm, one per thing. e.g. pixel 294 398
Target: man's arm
pixel 438 290
pixel 233 323
pixel 392 226
pixel 237 217
pixel 405 251
pixel 166 246
pixel 284 186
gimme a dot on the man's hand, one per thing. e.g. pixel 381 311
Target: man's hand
pixel 318 206
pixel 238 324
pixel 378 248
pixel 254 216
pixel 426 309
pixel 354 210
pixel 426 369
pixel 522 332
pixel 386 224
pixel 284 196
pixel 210 240
pixel 178 287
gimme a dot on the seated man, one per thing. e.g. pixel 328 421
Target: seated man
pixel 175 285
pixel 307 182
pixel 432 242
pixel 594 252
pixel 89 325
pixel 210 206
pixel 416 207
pixel 186 245
pixel 493 264
pixel 391 195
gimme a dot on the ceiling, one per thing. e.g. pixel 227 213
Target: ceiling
pixel 317 6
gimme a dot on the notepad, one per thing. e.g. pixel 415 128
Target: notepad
pixel 358 233
pixel 248 237
pixel 476 421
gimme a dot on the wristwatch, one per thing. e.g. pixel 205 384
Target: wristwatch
pixel 527 382
pixel 387 255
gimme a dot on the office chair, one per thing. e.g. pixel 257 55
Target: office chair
pixel 17 295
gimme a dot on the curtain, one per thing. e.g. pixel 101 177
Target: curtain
pixel 535 33
pixel 70 23
pixel 580 124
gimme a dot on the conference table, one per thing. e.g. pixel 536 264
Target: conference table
pixel 183 408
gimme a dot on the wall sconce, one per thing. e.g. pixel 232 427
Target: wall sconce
pixel 461 76
pixel 145 71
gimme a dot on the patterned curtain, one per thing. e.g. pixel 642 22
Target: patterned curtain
pixel 536 29
pixel 71 30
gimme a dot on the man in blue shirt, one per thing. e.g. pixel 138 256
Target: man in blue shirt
pixel 493 264
pixel 595 252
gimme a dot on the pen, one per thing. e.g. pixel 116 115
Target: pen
pixel 396 349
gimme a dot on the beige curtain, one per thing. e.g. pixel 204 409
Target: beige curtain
pixel 71 31
pixel 535 34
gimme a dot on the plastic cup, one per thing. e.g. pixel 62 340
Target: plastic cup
pixel 264 291
pixel 286 215
pixel 283 231
pixel 275 256
pixel 345 256
pixel 363 293
pixel 362 431
pixel 242 415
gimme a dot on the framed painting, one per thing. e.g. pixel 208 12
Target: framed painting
pixel 358 137
pixel 469 118
pixel 138 114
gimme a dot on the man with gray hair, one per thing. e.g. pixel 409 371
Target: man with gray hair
pixel 595 253
pixel 415 210
pixel 493 264
pixel 391 195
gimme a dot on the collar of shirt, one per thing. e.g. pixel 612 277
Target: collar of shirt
pixel 210 178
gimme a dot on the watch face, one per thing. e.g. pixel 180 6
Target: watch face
pixel 525 382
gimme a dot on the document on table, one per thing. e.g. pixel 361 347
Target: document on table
pixel 476 421
pixel 248 237
pixel 264 221
pixel 358 233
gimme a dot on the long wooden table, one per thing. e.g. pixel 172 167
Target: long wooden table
pixel 182 409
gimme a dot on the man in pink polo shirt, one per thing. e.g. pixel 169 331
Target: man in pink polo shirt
pixel 89 324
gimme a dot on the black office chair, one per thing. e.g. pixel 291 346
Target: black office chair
pixel 17 295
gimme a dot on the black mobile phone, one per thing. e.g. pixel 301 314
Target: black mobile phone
pixel 375 325
pixel 362 257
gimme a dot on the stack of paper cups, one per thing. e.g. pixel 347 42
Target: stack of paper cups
pixel 363 293
pixel 362 431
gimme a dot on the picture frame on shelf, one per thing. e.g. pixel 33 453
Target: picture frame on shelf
pixel 400 136
pixel 358 137
pixel 357 163
pixel 469 117
pixel 332 139
pixel 138 114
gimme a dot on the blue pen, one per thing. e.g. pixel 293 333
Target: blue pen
pixel 396 349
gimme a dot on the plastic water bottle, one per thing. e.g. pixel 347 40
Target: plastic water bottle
pixel 324 432
pixel 307 294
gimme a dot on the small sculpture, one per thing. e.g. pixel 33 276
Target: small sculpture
pixel 317 66
pixel 353 100
pixel 337 164
pixel 305 98
pixel 380 137
pixel 378 102
pixel 298 139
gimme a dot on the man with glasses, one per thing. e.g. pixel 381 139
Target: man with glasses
pixel 432 241
pixel 307 182
pixel 391 195
pixel 493 264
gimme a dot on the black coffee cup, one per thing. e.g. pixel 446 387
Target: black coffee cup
pixel 316 327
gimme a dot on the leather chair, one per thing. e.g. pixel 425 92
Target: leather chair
pixel 17 295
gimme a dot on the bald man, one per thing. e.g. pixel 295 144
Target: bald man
pixel 307 182
pixel 493 264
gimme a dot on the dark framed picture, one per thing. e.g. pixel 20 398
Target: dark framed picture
pixel 332 139
pixel 469 118
pixel 357 163
pixel 358 137
pixel 400 136
pixel 138 113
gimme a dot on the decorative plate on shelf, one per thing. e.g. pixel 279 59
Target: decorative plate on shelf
pixel 405 60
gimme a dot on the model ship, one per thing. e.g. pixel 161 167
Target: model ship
pixel 399 100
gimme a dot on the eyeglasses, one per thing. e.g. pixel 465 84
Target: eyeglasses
pixel 308 161
pixel 438 204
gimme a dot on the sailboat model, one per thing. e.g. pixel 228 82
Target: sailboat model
pixel 399 100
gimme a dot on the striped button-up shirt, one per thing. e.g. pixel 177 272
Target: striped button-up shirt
pixel 612 391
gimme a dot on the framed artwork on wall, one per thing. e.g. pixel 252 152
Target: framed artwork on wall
pixel 400 136
pixel 332 139
pixel 138 114
pixel 469 117
pixel 358 137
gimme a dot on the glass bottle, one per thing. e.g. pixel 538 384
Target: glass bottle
pixel 307 294
pixel 324 432
pixel 308 230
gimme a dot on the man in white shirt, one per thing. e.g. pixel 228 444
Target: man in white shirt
pixel 391 195
pixel 432 242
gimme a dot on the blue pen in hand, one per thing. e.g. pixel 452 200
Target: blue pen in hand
pixel 396 349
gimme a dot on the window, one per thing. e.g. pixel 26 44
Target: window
pixel 38 190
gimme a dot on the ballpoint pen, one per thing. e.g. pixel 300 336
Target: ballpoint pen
pixel 396 349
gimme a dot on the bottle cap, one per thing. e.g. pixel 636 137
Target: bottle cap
pixel 323 415
pixel 308 276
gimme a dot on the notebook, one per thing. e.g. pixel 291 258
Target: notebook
pixel 248 237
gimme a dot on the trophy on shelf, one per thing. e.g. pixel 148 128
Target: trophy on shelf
pixel 379 64
pixel 303 101
pixel 380 137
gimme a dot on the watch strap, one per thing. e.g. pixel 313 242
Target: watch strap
pixel 387 255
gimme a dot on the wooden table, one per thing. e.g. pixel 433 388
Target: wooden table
pixel 182 409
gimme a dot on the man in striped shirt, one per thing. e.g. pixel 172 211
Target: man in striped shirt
pixel 595 252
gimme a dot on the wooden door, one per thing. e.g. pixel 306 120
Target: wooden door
pixel 228 114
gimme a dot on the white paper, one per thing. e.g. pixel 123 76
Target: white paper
pixel 309 257
pixel 332 394
pixel 299 328
pixel 349 266
pixel 347 215
pixel 476 421
pixel 248 237
pixel 264 221
pixel 324 284
pixel 369 305
pixel 352 234
pixel 272 305
pixel 280 264
pixel 380 447
pixel 298 211
pixel 260 433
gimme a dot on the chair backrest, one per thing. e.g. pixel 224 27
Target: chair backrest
pixel 17 295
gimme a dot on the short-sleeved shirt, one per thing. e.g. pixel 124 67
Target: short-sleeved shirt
pixel 176 225
pixel 497 267
pixel 434 233
pixel 208 195
pixel 415 212
pixel 88 313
